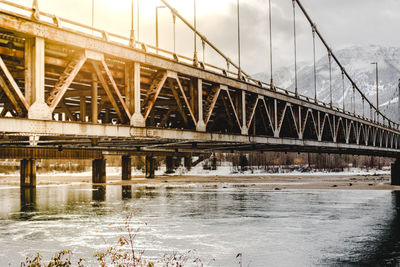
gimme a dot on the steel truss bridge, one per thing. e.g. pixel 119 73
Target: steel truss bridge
pixel 70 87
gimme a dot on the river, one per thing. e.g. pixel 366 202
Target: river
pixel 218 221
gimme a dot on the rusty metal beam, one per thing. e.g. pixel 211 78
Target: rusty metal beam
pixel 178 102
pixel 65 80
pixel 107 89
pixel 14 85
pixel 116 90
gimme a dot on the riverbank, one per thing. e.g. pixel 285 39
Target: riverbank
pixel 352 179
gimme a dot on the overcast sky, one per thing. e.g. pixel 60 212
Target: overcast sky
pixel 343 23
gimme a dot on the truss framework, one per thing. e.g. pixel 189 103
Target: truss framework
pixel 59 84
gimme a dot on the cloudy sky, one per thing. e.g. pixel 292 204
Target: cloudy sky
pixel 342 22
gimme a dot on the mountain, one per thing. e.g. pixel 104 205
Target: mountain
pixel 357 62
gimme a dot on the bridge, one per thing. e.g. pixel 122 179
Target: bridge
pixel 69 90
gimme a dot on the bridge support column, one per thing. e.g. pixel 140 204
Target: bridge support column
pixel 150 167
pixel 245 131
pixel 213 162
pixel 28 173
pixel 137 119
pixel 126 168
pixel 188 162
pixel 169 163
pixel 99 171
pixel 34 79
pixel 201 126
pixel 395 173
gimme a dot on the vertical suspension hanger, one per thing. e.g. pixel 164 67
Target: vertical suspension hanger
pixel 238 34
pixel 343 91
pixel 92 15
pixel 354 100
pixel 203 43
pixel 315 65
pixel 138 19
pixel 363 101
pixel 195 59
pixel 370 112
pixel 132 37
pixel 295 49
pixel 270 44
pixel 174 22
pixel 330 76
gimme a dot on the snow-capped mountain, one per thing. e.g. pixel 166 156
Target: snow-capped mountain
pixel 357 62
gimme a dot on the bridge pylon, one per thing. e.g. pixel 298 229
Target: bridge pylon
pixel 395 173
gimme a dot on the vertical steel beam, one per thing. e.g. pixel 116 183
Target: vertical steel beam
pixel 201 126
pixel 129 87
pixel 137 119
pixel 35 80
pixel 245 130
pixel 82 114
pixel 95 96
pixel 276 130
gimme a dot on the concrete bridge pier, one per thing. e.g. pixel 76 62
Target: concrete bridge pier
pixel 169 163
pixel 28 173
pixel 99 171
pixel 150 167
pixel 126 168
pixel 395 172
pixel 188 162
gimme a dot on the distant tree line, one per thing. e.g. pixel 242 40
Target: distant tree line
pixel 240 161
pixel 280 161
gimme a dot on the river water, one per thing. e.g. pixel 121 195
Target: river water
pixel 269 228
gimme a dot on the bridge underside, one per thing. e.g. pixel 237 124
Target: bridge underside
pixel 129 140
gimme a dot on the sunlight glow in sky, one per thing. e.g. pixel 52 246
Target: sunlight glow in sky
pixel 343 23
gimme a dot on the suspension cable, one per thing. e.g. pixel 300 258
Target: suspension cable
pixel 335 58
pixel 201 36
pixel 295 48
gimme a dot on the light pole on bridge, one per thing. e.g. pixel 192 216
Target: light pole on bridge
pixel 377 92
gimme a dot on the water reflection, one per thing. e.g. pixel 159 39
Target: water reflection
pixel 386 249
pixel 126 192
pixel 99 193
pixel 28 203
pixel 287 228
